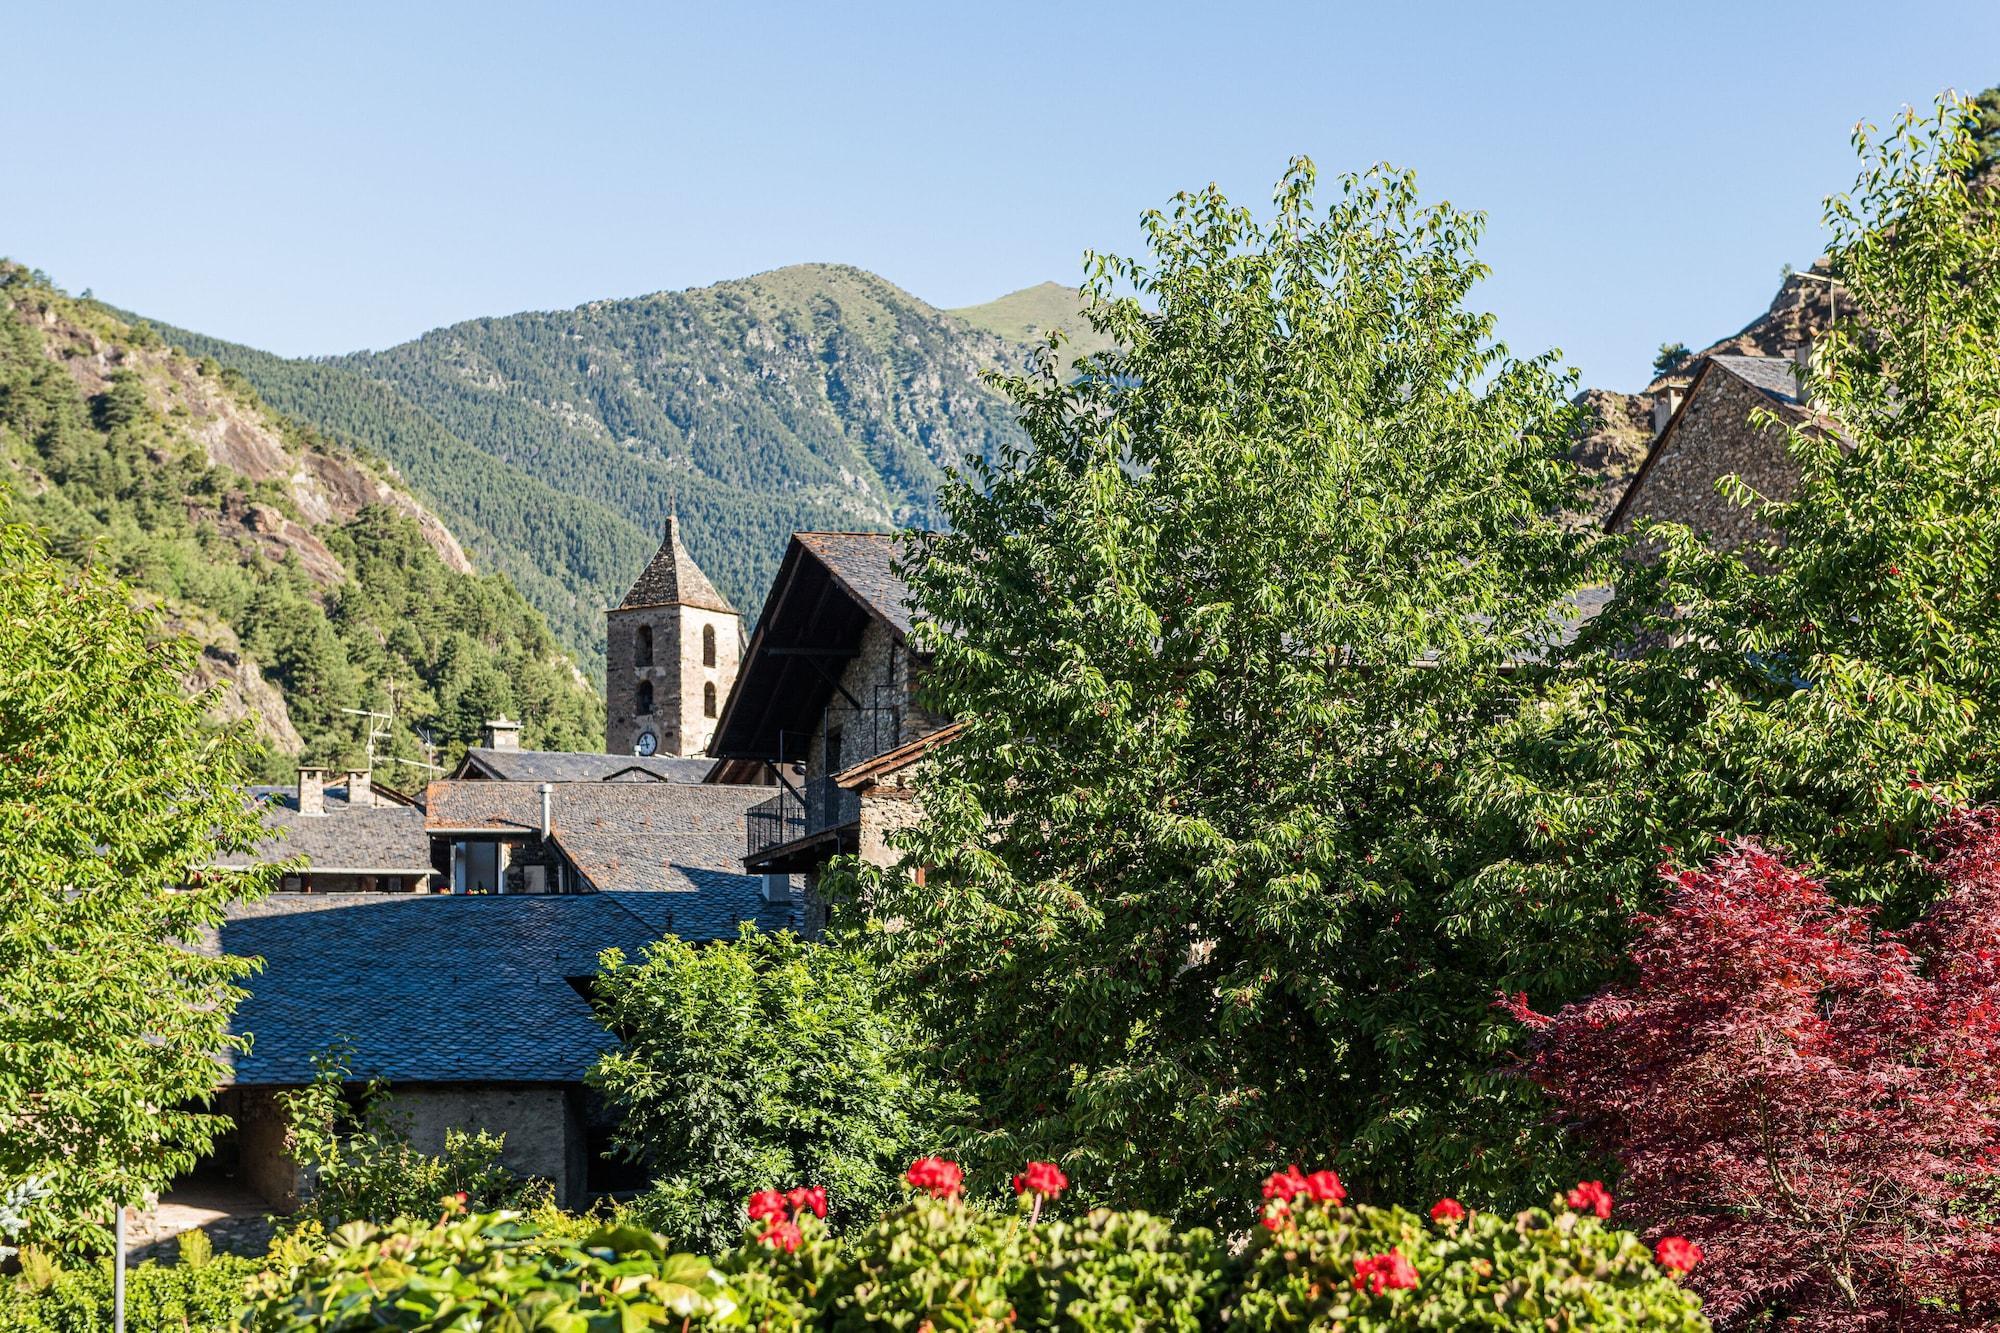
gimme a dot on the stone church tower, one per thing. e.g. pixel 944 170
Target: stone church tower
pixel 670 655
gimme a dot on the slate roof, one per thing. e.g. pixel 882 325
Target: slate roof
pixel 673 578
pixel 656 836
pixel 1774 376
pixel 862 563
pixel 444 989
pixel 579 766
pixel 371 840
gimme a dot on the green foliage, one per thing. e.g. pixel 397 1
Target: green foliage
pixel 554 442
pixel 1227 643
pixel 1534 1270
pixel 1673 359
pixel 360 1166
pixel 182 1298
pixel 130 486
pixel 758 1061
pixel 1820 694
pixel 113 793
pixel 490 1271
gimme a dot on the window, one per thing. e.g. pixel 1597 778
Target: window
pixel 642 651
pixel 645 697
pixel 708 647
pixel 708 699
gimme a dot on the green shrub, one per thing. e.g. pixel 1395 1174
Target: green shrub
pixel 1530 1270
pixel 360 1166
pixel 465 1270
pixel 159 1298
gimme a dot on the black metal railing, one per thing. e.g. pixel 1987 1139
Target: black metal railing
pixel 819 805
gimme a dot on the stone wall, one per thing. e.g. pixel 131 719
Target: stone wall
pixel 1713 437
pixel 544 1132
pixel 882 677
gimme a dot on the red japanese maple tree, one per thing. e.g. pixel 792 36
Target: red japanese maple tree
pixel 1813 1099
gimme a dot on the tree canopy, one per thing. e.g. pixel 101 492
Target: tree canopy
pixel 1227 637
pixel 115 795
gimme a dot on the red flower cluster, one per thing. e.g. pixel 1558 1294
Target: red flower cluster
pixel 1378 1273
pixel 1043 1178
pixel 1677 1253
pixel 1281 1187
pixel 1447 1210
pixel 777 1210
pixel 1591 1197
pixel 940 1176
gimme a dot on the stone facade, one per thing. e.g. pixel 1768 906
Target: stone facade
pixel 1712 436
pixel 541 1121
pixel 667 670
pixel 882 677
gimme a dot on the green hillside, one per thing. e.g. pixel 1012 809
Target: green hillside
pixel 315 582
pixel 818 396
pixel 1031 314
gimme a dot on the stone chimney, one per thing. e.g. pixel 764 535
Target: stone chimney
pixel 360 789
pixel 500 734
pixel 1665 403
pixel 312 790
pixel 1802 364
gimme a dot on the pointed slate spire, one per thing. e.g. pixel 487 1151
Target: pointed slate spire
pixel 673 578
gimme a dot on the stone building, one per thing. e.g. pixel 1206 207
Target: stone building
pixel 1709 431
pixel 670 656
pixel 826 704
pixel 473 1009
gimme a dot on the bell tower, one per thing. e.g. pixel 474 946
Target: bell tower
pixel 670 656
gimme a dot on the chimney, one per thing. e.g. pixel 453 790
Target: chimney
pixel 312 790
pixel 360 789
pixel 547 790
pixel 1802 367
pixel 500 734
pixel 1665 403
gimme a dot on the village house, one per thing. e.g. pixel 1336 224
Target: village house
pixel 444 942
pixel 1711 429
pixel 827 704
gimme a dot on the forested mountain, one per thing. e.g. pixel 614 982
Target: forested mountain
pixel 818 396
pixel 315 582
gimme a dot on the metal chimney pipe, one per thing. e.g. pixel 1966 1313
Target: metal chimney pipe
pixel 547 790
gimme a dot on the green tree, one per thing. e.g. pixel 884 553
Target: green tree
pixel 1672 359
pixel 113 794
pixel 1832 691
pixel 758 1064
pixel 1202 890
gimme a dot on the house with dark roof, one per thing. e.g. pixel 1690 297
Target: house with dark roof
pixel 828 684
pixel 340 836
pixel 1731 420
pixel 499 837
pixel 472 1008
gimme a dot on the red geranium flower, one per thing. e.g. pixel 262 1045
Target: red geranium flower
pixel 782 1235
pixel 1277 1215
pixel 1384 1272
pixel 1591 1197
pixel 940 1176
pixel 1677 1253
pixel 1325 1187
pixel 1044 1178
pixel 807 1199
pixel 1286 1184
pixel 1447 1210
pixel 768 1206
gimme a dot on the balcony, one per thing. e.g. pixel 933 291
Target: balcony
pixel 799 831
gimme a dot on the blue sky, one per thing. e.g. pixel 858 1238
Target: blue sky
pixel 323 178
